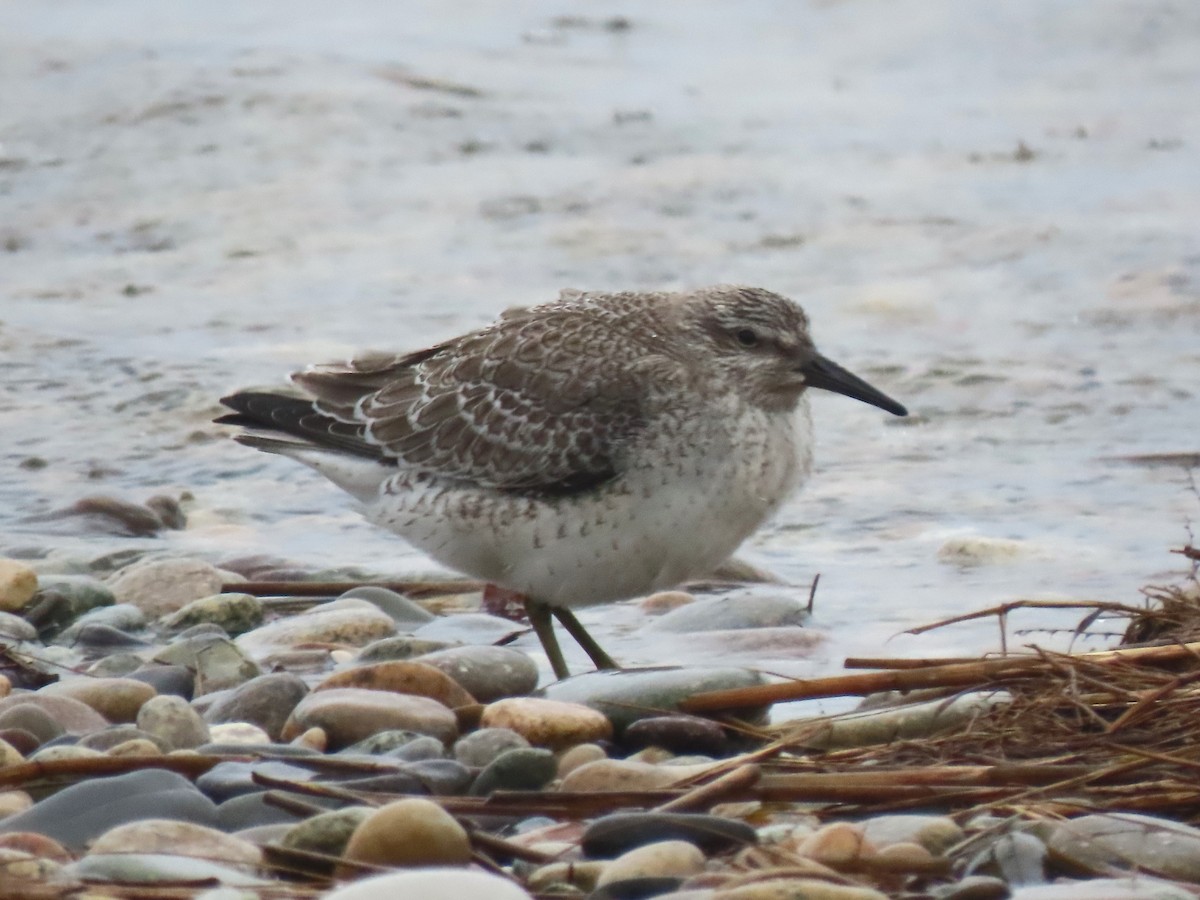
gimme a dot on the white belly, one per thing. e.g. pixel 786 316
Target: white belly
pixel 676 514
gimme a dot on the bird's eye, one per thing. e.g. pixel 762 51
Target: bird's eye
pixel 747 337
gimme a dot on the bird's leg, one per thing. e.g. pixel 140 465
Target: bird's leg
pixel 582 638
pixel 543 627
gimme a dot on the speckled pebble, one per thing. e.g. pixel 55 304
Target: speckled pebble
pixel 217 662
pixel 355 623
pixel 172 720
pixel 401 677
pixel 233 613
pixel 183 838
pixel 482 746
pixel 547 723
pixel 486 673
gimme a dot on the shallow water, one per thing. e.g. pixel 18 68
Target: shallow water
pixel 990 212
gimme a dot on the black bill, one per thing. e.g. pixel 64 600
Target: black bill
pixel 829 376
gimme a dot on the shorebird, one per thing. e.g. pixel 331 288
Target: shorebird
pixel 592 449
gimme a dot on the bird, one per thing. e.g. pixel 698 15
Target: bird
pixel 594 448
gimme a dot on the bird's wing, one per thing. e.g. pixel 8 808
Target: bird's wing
pixel 525 403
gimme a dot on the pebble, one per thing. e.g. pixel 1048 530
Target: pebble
pixel 519 769
pixel 626 775
pixel 183 838
pixel 265 701
pixel 115 665
pixel 1105 841
pixel 218 663
pixel 81 812
pixel 37 844
pixel 547 723
pixel 431 884
pixel 173 721
pixel 233 613
pixel 935 833
pixel 663 859
pixel 253 810
pixel 1142 887
pixel 59 752
pixel 19 866
pixel 797 889
pixel 232 778
pixel 114 735
pixel 407 614
pixel 124 617
pixel 581 874
pixel 9 755
pixel 402 646
pixel 14 628
pixel 974 887
pixel 617 833
pixel 326 832
pixel 410 832
pixel 736 610
pixel 159 587
pixel 347 715
pixel 354 623
pixel 677 734
pixel 401 677
pixel 664 601
pixel 486 673
pixel 483 745
pixel 70 715
pixel 579 755
pixel 157 868
pixel 18 584
pixel 625 696
pixel 470 628
pixel 240 733
pixel 136 747
pixel 31 719
pixel 418 749
pixel 836 844
pixel 1016 857
pixel 78 595
pixel 13 802
pixel 117 699
pixel 167 679
pixel 391 740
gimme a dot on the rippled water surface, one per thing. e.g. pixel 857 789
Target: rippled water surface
pixel 990 211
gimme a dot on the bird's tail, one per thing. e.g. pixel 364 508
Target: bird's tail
pixel 291 426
